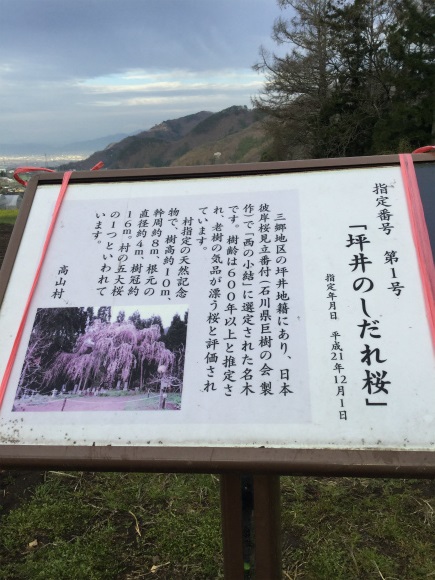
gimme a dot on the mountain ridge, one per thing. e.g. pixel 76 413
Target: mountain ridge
pixel 194 138
pixel 83 147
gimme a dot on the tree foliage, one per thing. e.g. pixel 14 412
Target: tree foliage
pixel 54 330
pixel 175 340
pixel 176 335
pixel 107 355
pixel 358 77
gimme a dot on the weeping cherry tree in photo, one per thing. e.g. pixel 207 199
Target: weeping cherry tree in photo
pixel 74 352
pixel 110 356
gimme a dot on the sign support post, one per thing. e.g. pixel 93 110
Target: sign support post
pixel 232 528
pixel 250 512
pixel 267 522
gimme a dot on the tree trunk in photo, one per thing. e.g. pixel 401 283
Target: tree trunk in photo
pixel 164 384
pixel 161 395
pixel 141 376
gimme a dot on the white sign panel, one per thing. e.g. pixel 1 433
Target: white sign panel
pixel 272 310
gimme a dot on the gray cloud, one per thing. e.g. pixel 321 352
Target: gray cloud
pixel 88 37
pixel 51 49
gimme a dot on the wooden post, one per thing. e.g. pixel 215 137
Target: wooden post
pixel 267 523
pixel 232 528
pixel 265 533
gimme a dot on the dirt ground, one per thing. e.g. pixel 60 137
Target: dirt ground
pixel 17 486
pixel 5 234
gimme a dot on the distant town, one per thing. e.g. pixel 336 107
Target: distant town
pixel 11 192
pixel 10 162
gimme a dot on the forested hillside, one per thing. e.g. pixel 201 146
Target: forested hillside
pixel 197 136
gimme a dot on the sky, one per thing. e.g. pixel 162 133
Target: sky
pixel 165 311
pixel 73 70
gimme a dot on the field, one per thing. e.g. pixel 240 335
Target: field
pixel 8 216
pixel 112 402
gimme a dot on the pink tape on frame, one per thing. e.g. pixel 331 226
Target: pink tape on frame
pixel 12 356
pixel 421 238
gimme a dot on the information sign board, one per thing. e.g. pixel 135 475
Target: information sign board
pixel 282 309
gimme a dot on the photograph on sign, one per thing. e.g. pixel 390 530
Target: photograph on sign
pixel 86 359
pixel 281 310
